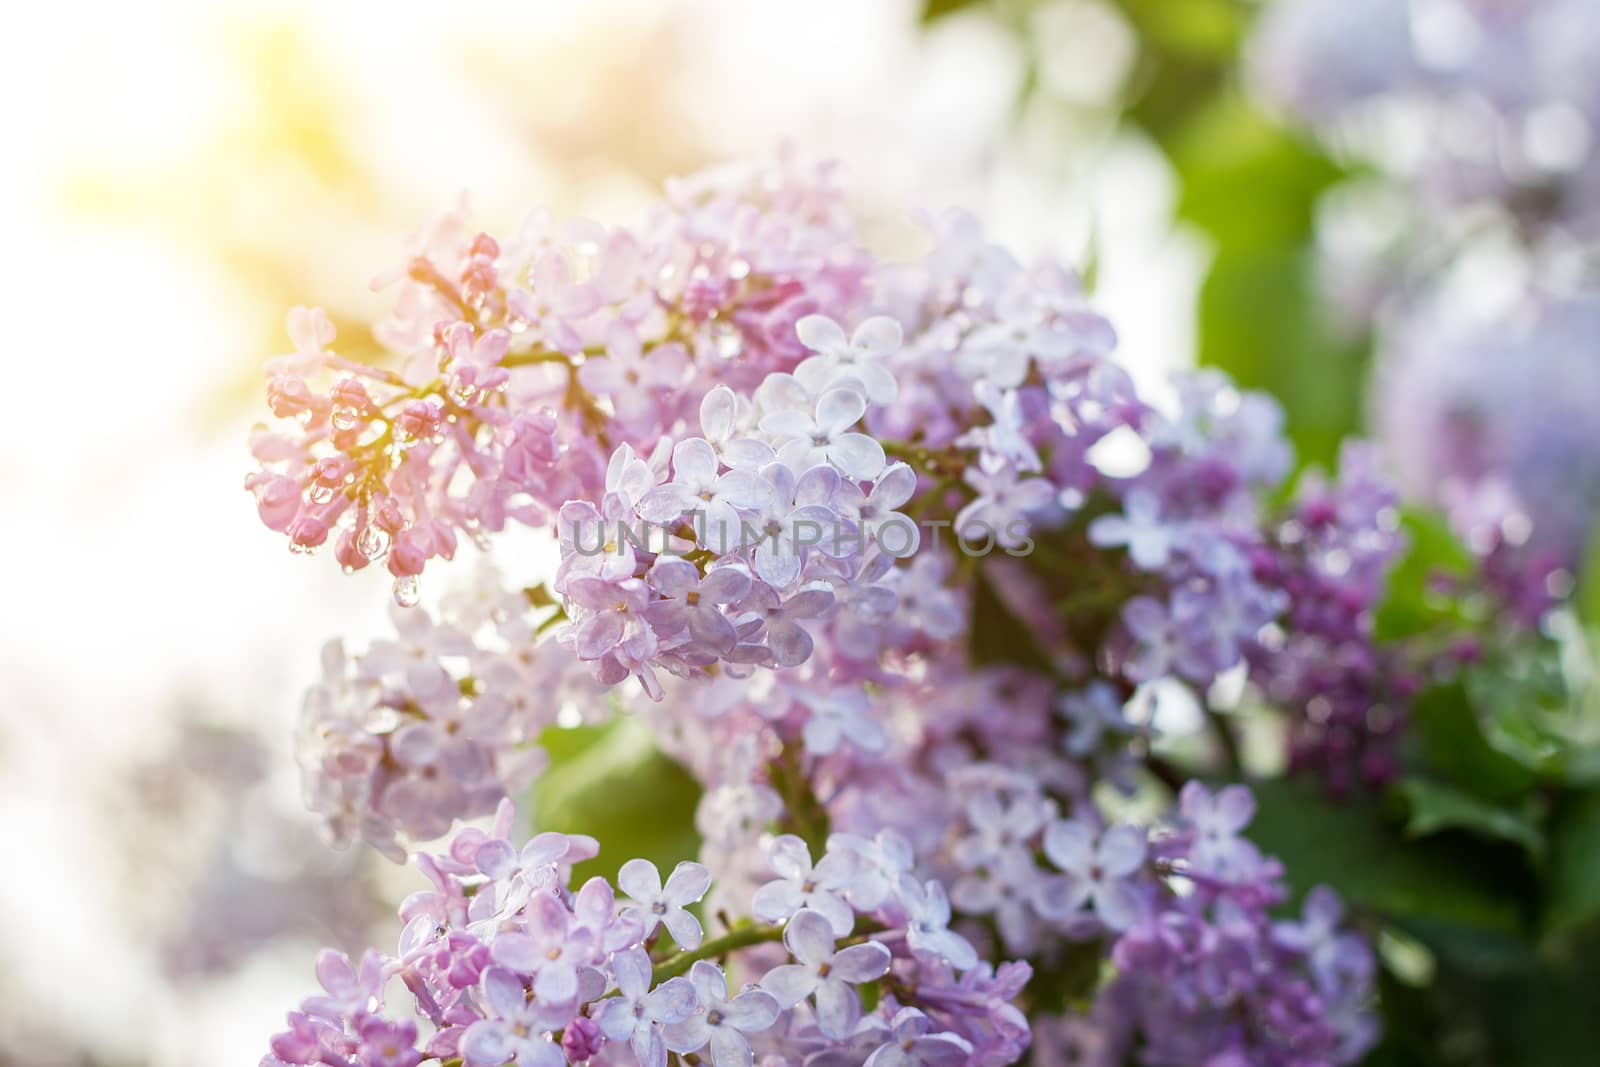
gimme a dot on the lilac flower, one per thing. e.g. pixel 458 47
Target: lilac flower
pixel 516 1030
pixel 547 309
pixel 1332 954
pixel 875 511
pixel 1164 641
pixel 551 948
pixel 721 1021
pixel 631 377
pixel 912 1044
pixel 348 991
pixel 1094 713
pixel 1102 874
pixel 799 885
pixel 692 602
pixel 788 642
pixel 837 716
pixel 808 439
pixel 719 417
pixel 1004 500
pixel 824 974
pixel 713 500
pixel 639 1014
pixel 614 614
pixel 797 513
pixel 652 903
pixel 928 923
pixel 1217 820
pixel 861 357
pixel 388 1044
pixel 1148 538
pixel 879 865
pixel 1004 884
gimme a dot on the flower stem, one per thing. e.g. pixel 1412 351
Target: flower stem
pixel 737 938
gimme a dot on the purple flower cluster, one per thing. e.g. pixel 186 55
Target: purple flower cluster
pixel 885 554
pixel 1328 560
pixel 1469 249
pixel 523 363
pixel 503 962
pixel 1474 103
pixel 437 723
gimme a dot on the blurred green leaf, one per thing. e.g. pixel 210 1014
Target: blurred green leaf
pixel 1573 894
pixel 1252 187
pixel 1589 583
pixel 1410 605
pixel 1248 182
pixel 1352 847
pixel 1205 29
pixel 933 9
pixel 1446 722
pixel 1436 806
pixel 612 783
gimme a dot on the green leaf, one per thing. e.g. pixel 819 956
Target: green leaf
pixel 612 783
pixel 934 9
pixel 1436 806
pixel 1589 583
pixel 1352 847
pixel 1411 605
pixel 1573 887
pixel 1252 187
pixel 1446 722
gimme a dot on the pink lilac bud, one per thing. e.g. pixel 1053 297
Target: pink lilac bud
pixel 289 396
pixel 345 551
pixel 407 556
pixel 581 1039
pixel 308 532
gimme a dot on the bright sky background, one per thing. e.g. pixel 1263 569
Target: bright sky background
pixel 180 173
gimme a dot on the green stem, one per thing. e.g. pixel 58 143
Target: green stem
pixel 733 940
pixel 538 355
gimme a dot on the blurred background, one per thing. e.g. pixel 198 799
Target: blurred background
pixel 181 174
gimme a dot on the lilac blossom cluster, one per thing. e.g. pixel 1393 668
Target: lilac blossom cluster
pixel 504 962
pixel 790 485
pixel 1485 418
pixel 1474 102
pixel 1470 249
pixel 1329 559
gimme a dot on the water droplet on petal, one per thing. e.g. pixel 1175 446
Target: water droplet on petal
pixel 407 591
pixel 345 418
pixel 372 542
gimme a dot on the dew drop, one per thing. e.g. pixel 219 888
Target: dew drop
pixel 344 418
pixel 320 494
pixel 371 542
pixel 407 591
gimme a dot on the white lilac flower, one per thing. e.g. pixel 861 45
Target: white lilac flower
pixel 1101 870
pixel 821 889
pixel 721 1021
pixel 928 923
pixel 639 1014
pixel 653 903
pixel 911 1044
pixel 825 435
pixel 862 356
pixel 1148 538
pixel 827 976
